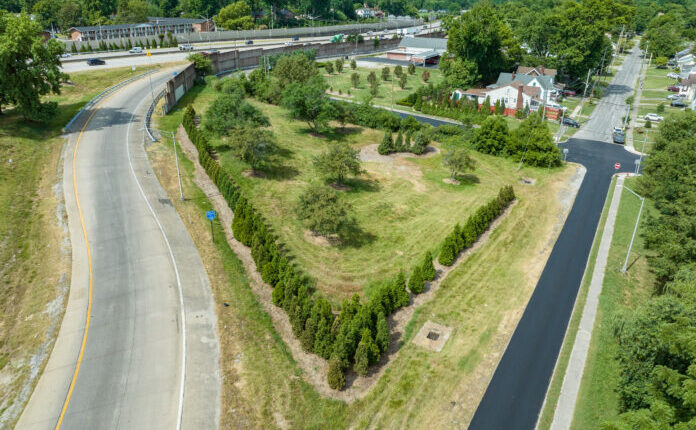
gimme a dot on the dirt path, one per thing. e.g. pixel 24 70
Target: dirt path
pixel 314 367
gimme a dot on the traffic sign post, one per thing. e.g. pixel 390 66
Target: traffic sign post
pixel 211 216
pixel 617 166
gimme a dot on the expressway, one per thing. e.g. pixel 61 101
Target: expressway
pixel 138 347
pixel 515 394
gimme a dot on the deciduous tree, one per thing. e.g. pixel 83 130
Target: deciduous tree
pixel 235 16
pixel 338 161
pixel 323 212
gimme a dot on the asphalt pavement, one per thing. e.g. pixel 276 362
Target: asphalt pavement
pixel 150 357
pixel 515 394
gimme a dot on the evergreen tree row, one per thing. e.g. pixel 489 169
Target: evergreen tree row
pixel 401 144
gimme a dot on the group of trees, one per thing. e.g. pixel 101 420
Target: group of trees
pixel 530 143
pixel 463 237
pixel 30 68
pixel 656 354
pixel 403 143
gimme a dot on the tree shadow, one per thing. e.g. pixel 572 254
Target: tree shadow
pixel 361 185
pixel 278 171
pixel 467 179
pixel 353 236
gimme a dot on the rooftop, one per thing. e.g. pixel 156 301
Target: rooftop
pixel 429 43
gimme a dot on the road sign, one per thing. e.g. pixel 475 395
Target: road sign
pixel 148 53
pixel 210 215
pixel 174 73
pixel 617 166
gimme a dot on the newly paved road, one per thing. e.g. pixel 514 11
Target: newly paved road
pixel 515 394
pixel 151 307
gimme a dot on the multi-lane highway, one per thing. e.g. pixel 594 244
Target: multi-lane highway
pixel 515 394
pixel 138 347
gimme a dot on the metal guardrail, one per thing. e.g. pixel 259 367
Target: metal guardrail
pixel 101 95
pixel 150 111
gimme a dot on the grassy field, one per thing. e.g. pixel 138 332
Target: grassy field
pixel 34 260
pixel 342 82
pixel 597 399
pixel 399 205
pixel 481 300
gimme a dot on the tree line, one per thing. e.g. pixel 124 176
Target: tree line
pixel 656 354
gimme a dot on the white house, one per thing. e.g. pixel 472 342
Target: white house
pixel 515 95
pixel 364 12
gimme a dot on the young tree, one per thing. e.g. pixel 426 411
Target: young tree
pixel 338 161
pixel 374 88
pixel 411 69
pixel 336 376
pixel 339 65
pixel 309 102
pixel 486 106
pixel 385 73
pixel 235 16
pixel 399 142
pixel 355 79
pixel 416 282
pixel 201 63
pixel 402 80
pixel 329 68
pixel 375 43
pixel 447 252
pixel 353 64
pixel 387 144
pixel 533 143
pixel 228 112
pixel 428 269
pixel 255 146
pixel 492 137
pixel 420 143
pixel 382 336
pixel 426 75
pixel 294 68
pixel 30 68
pixel 398 71
pixel 660 108
pixel 458 161
pixel 323 212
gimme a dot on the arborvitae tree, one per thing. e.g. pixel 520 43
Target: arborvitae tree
pixel 420 143
pixel 447 253
pixel 411 69
pixel 279 294
pixel 428 268
pixel 362 357
pixel 307 339
pixel 353 64
pixel 387 144
pixel 399 143
pixel 355 79
pixel 339 65
pixel 382 336
pixel 419 103
pixel 496 109
pixel 407 139
pixel 416 282
pixel 398 71
pixel 385 73
pixel 486 106
pixel 329 67
pixel 336 378
pixel 403 79
pixel 372 77
pixel 73 49
pixel 374 88
pixel 401 297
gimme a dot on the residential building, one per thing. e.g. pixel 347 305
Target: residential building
pixel 536 71
pixel 364 12
pixel 419 50
pixel 154 26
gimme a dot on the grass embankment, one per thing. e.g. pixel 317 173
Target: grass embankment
pixel 399 204
pixel 342 82
pixel 597 400
pixel 34 259
pixel 481 300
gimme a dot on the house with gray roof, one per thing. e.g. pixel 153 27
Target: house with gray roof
pixel 544 83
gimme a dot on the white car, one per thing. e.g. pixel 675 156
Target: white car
pixel 672 75
pixel 673 97
pixel 66 55
pixel 185 47
pixel 653 117
pixel 288 43
pixel 136 50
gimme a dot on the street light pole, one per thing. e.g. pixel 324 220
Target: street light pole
pixel 635 229
pixel 178 172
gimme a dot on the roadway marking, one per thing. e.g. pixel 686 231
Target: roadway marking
pixel 176 271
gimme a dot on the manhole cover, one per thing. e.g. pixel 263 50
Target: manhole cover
pixel 433 335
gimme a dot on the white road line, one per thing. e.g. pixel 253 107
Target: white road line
pixel 176 270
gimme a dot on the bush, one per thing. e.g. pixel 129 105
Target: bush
pixel 415 282
pixel 329 68
pixel 387 145
pixel 385 73
pixel 339 65
pixel 355 79
pixel 648 123
pixel 353 64
pixel 336 378
pixel 411 69
pixel 661 108
pixel 428 268
pixel 425 76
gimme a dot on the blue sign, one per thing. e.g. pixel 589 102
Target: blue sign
pixel 174 73
pixel 210 215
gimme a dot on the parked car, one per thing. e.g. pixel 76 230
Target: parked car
pixel 671 63
pixel 65 55
pixel 249 42
pixel 618 135
pixel 209 51
pixel 653 117
pixel 673 88
pixel 569 93
pixel 288 43
pixel 678 103
pixel 185 47
pixel 570 122
pixel 136 50
pixel 672 75
pixel 95 62
pixel 673 96
pixel 295 38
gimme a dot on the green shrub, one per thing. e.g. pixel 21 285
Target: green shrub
pixel 428 268
pixel 416 282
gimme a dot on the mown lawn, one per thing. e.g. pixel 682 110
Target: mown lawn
pixel 34 266
pixel 621 293
pixel 481 300
pixel 342 82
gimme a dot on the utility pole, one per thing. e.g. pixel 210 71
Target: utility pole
pixel 635 229
pixel 587 81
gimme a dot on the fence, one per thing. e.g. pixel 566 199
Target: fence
pixel 218 36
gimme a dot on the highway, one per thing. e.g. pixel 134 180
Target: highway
pixel 138 347
pixel 515 394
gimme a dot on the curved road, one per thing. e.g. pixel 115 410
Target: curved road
pixel 140 297
pixel 515 394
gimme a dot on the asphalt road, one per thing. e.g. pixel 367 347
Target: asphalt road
pixel 515 394
pixel 149 361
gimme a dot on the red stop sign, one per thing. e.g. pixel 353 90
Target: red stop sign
pixel 617 166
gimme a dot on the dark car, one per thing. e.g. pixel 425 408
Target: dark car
pixel 673 88
pixel 671 63
pixel 570 122
pixel 249 42
pixel 95 62
pixel 569 93
pixel 296 38
pixel 677 103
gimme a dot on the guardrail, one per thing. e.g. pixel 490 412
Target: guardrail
pixel 150 111
pixel 101 95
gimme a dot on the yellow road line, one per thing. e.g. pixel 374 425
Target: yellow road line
pixel 89 261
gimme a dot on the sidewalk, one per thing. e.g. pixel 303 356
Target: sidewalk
pixel 565 407
pixel 634 112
